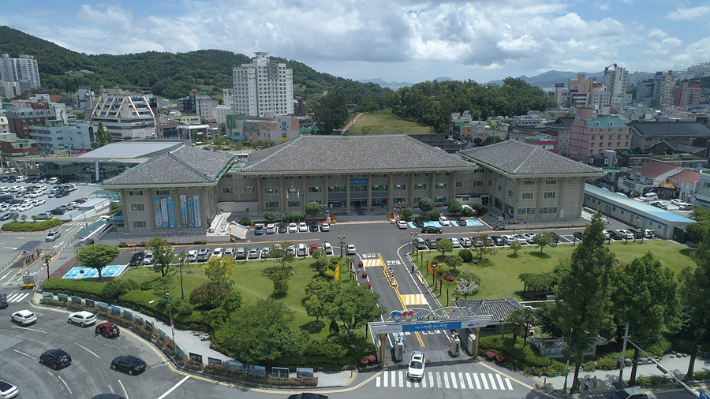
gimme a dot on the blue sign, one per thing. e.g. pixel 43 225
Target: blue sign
pixel 703 395
pixel 358 182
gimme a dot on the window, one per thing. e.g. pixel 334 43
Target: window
pixel 478 183
pixel 400 187
pixel 550 209
pixel 526 211
pixel 354 189
pixel 526 196
pixel 137 207
pixel 336 189
pixel 399 200
pixel 227 190
pixel 500 187
pixel 271 204
pixel 421 174
pixel 441 186
pixel 141 224
pixel 550 194
pixel 511 193
pixel 270 178
pixel 528 182
pixel 314 189
pixel 440 200
pixel 442 174
pixel 135 193
pixel 314 177
pixel 162 192
pixel 249 190
pixel 550 182
pixel 271 190
pixel 294 204
pixel 420 186
pixel 459 183
pixel 490 182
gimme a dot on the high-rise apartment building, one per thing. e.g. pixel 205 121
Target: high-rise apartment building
pixel 20 69
pixel 615 81
pixel 264 86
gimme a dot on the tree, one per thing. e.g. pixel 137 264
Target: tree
pixel 282 253
pixel 453 261
pixel 208 295
pixel 314 307
pixel 223 128
pixel 479 209
pixel 515 246
pixel 255 332
pixel 407 213
pixel 23 217
pixel 280 283
pixel 15 217
pixel 543 239
pixel 477 141
pixel 696 231
pixel 353 305
pixel 485 246
pixel 444 245
pixel 582 304
pixel 467 284
pixel 519 319
pixel 34 218
pixel 466 255
pixel 454 207
pixel 313 208
pixel 102 136
pixel 426 204
pixel 182 267
pixel 645 296
pixel 163 255
pixel 97 256
pixel 219 271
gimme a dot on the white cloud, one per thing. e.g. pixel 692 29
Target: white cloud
pixel 655 32
pixel 685 14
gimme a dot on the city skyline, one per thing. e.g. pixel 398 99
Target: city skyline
pixel 393 41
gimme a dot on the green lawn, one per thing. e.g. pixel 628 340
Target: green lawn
pixel 252 279
pixel 499 277
pixel 388 123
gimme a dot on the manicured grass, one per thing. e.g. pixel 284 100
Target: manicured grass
pixel 388 123
pixel 499 276
pixel 253 279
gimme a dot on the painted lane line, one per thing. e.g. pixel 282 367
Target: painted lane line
pixel 163 396
pixel 87 349
pixel 23 354
pixel 377 382
pixel 438 379
pixel 65 384
pixel 29 329
pixel 125 393
pixel 401 379
pixel 423 381
pixel 453 381
pixel 431 379
pixel 500 382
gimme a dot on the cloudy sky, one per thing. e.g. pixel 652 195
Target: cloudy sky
pixel 394 40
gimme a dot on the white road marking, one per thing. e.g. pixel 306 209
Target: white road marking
pixel 87 349
pixel 125 394
pixel 23 353
pixel 431 380
pixel 3 277
pixel 65 384
pixel 500 382
pixel 385 374
pixel 453 380
pixel 401 379
pixel 30 329
pixel 483 379
pixel 377 382
pixel 461 382
pixel 507 382
pixel 163 396
pixel 470 383
pixel 438 379
pixel 493 382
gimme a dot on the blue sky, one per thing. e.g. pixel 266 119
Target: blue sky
pixel 394 40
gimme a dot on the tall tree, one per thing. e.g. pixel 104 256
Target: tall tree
pixel 543 239
pixel 97 256
pixel 645 296
pixel 485 246
pixel 353 305
pixel 163 255
pixel 312 208
pixel 455 207
pixel 445 245
pixel 426 204
pixel 583 302
pixel 282 252
pixel 219 271
pixel 183 267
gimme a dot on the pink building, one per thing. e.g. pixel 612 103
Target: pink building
pixel 593 135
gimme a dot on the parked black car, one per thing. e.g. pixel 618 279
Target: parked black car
pixel 314 226
pixel 55 358
pixel 418 223
pixel 283 228
pixel 57 211
pixel 137 259
pixel 617 235
pixel 130 364
pixel 497 240
pixel 462 222
pixel 432 229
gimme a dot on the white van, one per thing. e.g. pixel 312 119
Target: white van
pixel 649 197
pixel 302 250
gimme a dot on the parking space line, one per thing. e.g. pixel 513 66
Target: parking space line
pixel 173 388
pixel 65 384
pixel 87 349
pixel 125 393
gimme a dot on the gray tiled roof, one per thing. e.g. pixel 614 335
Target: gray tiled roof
pixel 545 343
pixel 352 153
pixel 518 158
pixel 499 308
pixel 696 129
pixel 183 165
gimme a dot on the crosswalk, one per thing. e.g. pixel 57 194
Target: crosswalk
pixel 373 262
pixel 414 299
pixel 445 380
pixel 17 297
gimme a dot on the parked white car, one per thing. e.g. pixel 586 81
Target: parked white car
pixel 444 221
pixel 24 317
pixel 293 228
pixel 302 227
pixel 82 318
pixel 401 224
pixel 192 255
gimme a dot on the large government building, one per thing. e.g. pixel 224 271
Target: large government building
pixel 183 189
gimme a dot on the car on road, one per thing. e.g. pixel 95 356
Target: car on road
pixel 253 253
pixel 3 301
pixel 307 395
pixel 351 249
pixel 401 224
pixel 629 393
pixel 192 255
pixel 265 252
pixel 137 259
pixel 148 259
pixel 108 330
pixel 55 358
pixel 325 226
pixel 8 390
pixel 416 366
pixel 432 229
pixel 444 221
pixel 302 227
pixel 82 318
pixel 328 248
pixel 24 317
pixel 270 228
pixel 283 228
pixel 293 228
pixel 130 364
pixel 259 229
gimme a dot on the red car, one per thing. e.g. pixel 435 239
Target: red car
pixel 108 330
pixel 313 248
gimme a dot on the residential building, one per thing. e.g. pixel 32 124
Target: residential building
pixel 532 119
pixel 264 86
pixel 125 114
pixel 55 134
pixel 657 91
pixel 686 184
pixel 197 104
pixel 579 90
pixel 299 108
pixel 167 129
pixel 4 125
pixel 274 128
pixel 702 196
pixel 12 89
pixel 20 118
pixel 615 81
pixel 20 69
pixel 560 95
pixel 85 98
pixel 649 176
pixel 18 147
pixel 593 135
pixel 560 130
pixel 220 113
pixel 688 94
pixel 645 134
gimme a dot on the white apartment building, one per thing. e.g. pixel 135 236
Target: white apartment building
pixel 55 134
pixel 264 86
pixel 220 113
pixel 599 96
pixel 615 81
pixel 20 69
pixel 125 114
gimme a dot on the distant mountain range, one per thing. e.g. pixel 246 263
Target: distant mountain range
pixel 394 85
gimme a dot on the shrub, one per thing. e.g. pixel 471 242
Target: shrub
pixel 653 380
pixel 114 209
pixel 702 375
pixel 467 211
pixel 466 255
pixel 479 208
pixel 245 222
pixel 270 216
pixel 435 215
pixel 528 355
pixel 606 364
pixel 557 369
pixel 117 287
pixel 589 366
pixel 208 295
pixel 31 226
pixel 86 289
pixel 659 348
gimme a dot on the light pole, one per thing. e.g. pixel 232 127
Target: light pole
pixel 46 259
pixel 170 312
pixel 414 238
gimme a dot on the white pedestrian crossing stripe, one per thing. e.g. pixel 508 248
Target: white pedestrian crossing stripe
pixel 17 297
pixel 372 262
pixel 445 380
pixel 414 299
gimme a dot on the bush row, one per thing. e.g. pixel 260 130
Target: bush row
pixel 31 226
pixel 84 289
pixel 528 355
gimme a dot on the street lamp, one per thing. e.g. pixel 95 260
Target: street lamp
pixel 414 238
pixel 170 312
pixel 341 237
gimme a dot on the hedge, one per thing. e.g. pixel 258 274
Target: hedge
pixel 528 355
pixel 84 289
pixel 31 226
